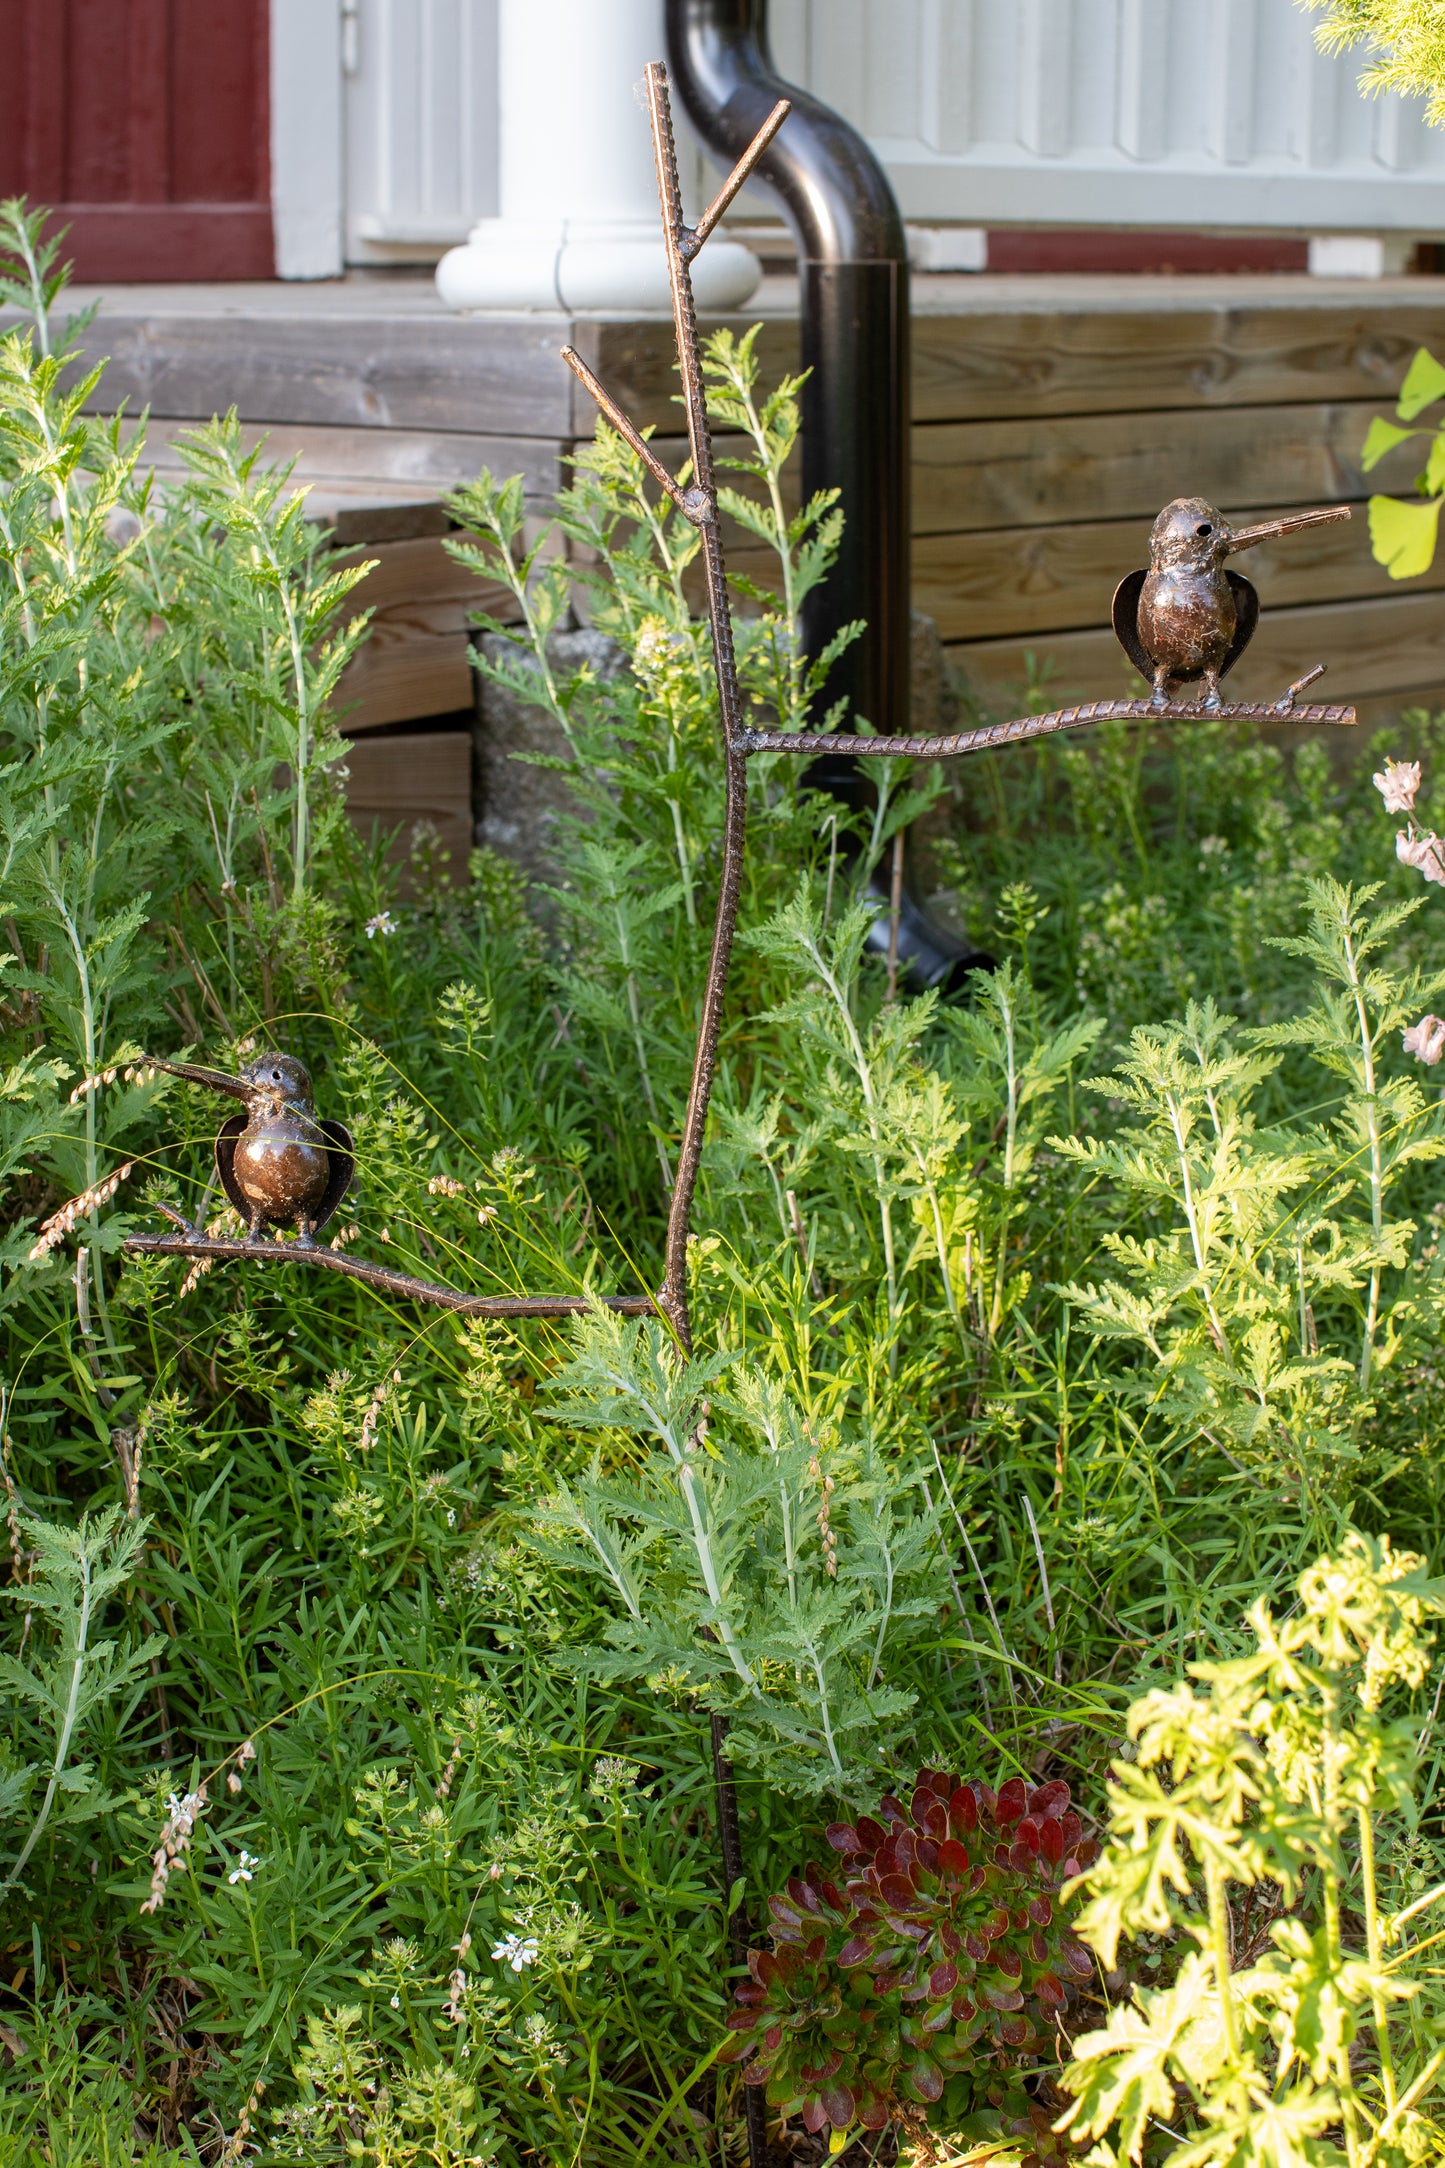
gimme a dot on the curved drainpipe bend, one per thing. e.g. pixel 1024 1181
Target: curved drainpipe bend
pixel 853 306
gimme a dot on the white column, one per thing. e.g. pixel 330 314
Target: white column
pixel 579 225
pixel 306 64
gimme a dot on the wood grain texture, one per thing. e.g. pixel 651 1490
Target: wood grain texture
pixel 424 575
pixel 971 475
pixel 413 665
pixel 415 661
pixel 1098 360
pixel 428 459
pixel 394 782
pixel 1037 580
pixel 637 361
pixel 1373 649
pixel 498 375
pixel 1087 357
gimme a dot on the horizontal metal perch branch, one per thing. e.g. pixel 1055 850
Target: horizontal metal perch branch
pixel 382 1277
pixel 989 736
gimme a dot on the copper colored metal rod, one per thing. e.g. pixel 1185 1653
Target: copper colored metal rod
pixel 717 209
pixel 624 428
pixel 1034 726
pixel 404 1284
pixel 673 1293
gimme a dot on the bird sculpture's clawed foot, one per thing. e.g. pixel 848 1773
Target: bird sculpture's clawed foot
pixel 1160 696
pixel 255 1232
pixel 1210 702
pixel 305 1234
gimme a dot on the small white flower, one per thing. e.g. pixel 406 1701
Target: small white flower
pixel 382 923
pixel 244 1869
pixel 1398 784
pixel 1426 1040
pixel 518 1951
pixel 396 2002
pixel 1423 853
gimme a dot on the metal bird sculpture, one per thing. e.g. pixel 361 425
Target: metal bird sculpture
pixel 278 1163
pixel 1189 616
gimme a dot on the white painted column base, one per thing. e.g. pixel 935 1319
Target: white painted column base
pixel 581 264
pixel 580 226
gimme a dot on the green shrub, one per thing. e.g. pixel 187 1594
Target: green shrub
pixel 410 1676
pixel 1324 2045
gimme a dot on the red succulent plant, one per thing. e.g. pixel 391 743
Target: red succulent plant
pixel 933 1978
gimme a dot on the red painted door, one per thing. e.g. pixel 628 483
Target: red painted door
pixel 144 125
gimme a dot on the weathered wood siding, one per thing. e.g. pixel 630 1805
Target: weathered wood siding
pixel 1051 420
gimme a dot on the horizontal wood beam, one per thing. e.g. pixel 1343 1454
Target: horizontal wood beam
pixel 1047 580
pixel 1373 648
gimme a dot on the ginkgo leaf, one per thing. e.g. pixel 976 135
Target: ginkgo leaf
pixel 1402 535
pixel 1382 437
pixel 1424 382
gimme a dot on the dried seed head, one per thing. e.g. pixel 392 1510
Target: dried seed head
pixel 89 1084
pixel 61 1223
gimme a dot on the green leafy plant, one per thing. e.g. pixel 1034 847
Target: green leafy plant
pixel 1276 1780
pixel 72 1577
pixel 1407 35
pixel 769 1571
pixel 1403 532
pixel 934 1978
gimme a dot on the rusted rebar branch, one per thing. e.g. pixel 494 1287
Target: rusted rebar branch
pixel 991 735
pixel 406 1285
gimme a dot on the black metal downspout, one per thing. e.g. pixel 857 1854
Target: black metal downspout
pixel 853 302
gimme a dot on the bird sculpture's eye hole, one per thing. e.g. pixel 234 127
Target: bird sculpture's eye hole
pixel 1205 529
pixel 275 1076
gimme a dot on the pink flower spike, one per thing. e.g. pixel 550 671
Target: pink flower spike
pixel 1423 853
pixel 1426 1040
pixel 1398 785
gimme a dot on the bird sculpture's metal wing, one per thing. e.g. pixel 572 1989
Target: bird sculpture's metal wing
pixel 1126 621
pixel 341 1155
pixel 1246 617
pixel 226 1165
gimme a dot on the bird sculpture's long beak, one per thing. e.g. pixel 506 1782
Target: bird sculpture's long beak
pixel 1244 538
pixel 216 1079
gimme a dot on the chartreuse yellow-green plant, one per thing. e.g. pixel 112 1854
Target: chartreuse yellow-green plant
pixel 1403 531
pixel 1273 1781
pixel 1406 36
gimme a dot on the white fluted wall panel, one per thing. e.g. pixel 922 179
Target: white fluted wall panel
pixel 421 121
pixel 1140 112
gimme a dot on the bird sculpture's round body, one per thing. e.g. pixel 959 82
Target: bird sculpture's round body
pixel 281 1159
pixel 279 1165
pixel 1189 616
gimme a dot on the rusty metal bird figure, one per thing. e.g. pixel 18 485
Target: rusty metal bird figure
pixel 1189 616
pixel 278 1163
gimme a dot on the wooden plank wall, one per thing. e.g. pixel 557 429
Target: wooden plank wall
pixel 1047 434
pixel 1052 418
